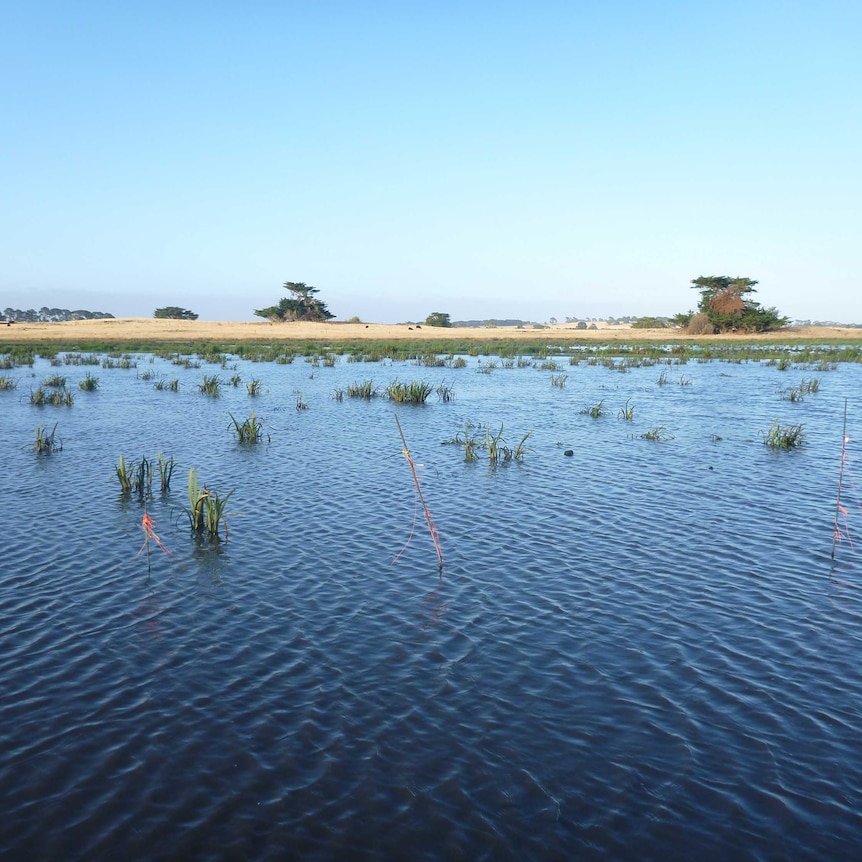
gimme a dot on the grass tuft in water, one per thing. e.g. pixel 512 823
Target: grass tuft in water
pixel 784 436
pixel 46 442
pixel 659 434
pixel 206 512
pixel 416 392
pixel 89 383
pixel 210 385
pixel 596 411
pixel 254 387
pixel 248 431
pixel 7 384
pixel 559 380
pixel 627 411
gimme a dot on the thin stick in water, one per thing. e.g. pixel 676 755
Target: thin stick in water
pixel 432 527
pixel 839 509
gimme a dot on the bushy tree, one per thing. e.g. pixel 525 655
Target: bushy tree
pixel 438 318
pixel 726 303
pixel 300 305
pixel 174 312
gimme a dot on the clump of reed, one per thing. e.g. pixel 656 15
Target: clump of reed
pixel 499 452
pixel 596 411
pixel 235 380
pixel 206 512
pixel 627 411
pixel 658 434
pixel 457 362
pixel 210 385
pixel 89 383
pixel 416 392
pixel 55 380
pixel 784 436
pixel 254 387
pixel 170 385
pixel 470 444
pixel 7 384
pixel 249 430
pixel 46 442
pixel 559 380
pixel 664 377
pixel 300 404
pixel 137 476
pixel 366 390
pixel 57 397
pixel 445 392
pixel 431 360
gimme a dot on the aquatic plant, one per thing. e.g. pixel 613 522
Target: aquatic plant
pixel 254 386
pixel 416 392
pixel 55 380
pixel 499 452
pixel 658 434
pixel 206 512
pixel 210 385
pixel 249 430
pixel 124 475
pixel 468 442
pixel 663 377
pixel 559 380
pixel 166 470
pixel 784 436
pixel 366 390
pixel 57 397
pixel 300 404
pixel 627 411
pixel 445 392
pixel 235 380
pixel 89 383
pixel 596 411
pixel 172 385
pixel 46 442
pixel 7 384
pixel 457 362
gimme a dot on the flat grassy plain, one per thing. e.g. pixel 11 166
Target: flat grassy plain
pixel 144 334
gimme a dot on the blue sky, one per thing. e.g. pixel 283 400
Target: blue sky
pixel 485 159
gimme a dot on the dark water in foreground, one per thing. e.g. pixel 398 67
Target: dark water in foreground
pixel 641 651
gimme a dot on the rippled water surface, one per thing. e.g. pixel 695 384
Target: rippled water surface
pixel 641 650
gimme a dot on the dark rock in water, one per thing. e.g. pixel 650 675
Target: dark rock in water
pixel 568 453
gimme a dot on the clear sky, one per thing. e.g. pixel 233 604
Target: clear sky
pixel 485 159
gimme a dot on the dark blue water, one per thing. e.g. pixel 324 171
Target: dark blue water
pixel 640 651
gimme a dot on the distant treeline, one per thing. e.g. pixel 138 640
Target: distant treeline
pixel 51 315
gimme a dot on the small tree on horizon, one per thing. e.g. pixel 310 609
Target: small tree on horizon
pixel 301 305
pixel 438 318
pixel 174 312
pixel 724 300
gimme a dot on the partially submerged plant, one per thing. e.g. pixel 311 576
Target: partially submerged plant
pixel 559 380
pixel 210 385
pixel 55 380
pixel 7 384
pixel 784 436
pixel 166 470
pixel 206 510
pixel 596 411
pixel 658 434
pixel 499 452
pixel 89 383
pixel 172 385
pixel 445 392
pixel 254 387
pixel 46 443
pixel 124 475
pixel 366 390
pixel 300 404
pixel 416 392
pixel 248 431
pixel 627 412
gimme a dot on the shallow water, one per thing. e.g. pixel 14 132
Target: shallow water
pixel 640 651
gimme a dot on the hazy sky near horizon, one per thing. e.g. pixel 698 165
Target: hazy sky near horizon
pixel 485 159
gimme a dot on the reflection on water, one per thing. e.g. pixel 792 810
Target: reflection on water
pixel 640 650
